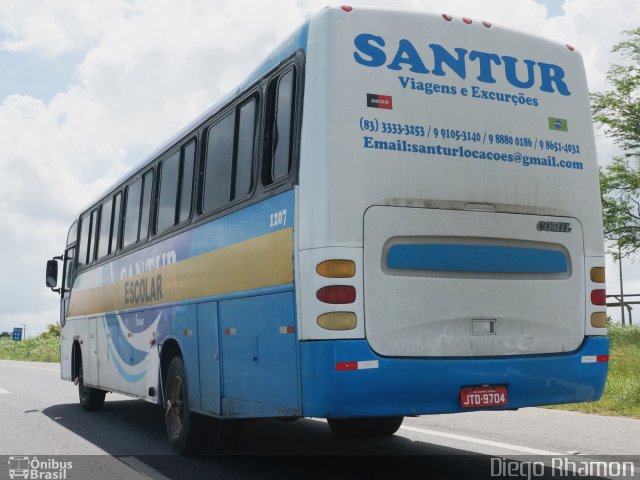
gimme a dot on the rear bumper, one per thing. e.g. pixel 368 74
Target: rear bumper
pixel 384 386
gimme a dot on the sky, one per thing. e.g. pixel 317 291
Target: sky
pixel 88 89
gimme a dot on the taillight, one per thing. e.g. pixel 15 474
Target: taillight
pixel 336 268
pixel 599 320
pixel 599 297
pixel 337 294
pixel 597 274
pixel 337 321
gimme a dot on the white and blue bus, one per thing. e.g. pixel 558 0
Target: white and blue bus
pixel 396 214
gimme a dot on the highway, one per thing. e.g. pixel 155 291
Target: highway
pixel 40 417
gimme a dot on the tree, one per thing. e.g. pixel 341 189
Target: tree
pixel 53 330
pixel 618 112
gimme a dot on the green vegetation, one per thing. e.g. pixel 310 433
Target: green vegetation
pixel 43 348
pixel 622 393
pixel 617 111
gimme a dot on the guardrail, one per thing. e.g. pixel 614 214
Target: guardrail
pixel 623 303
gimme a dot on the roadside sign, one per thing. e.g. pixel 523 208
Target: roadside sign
pixel 17 334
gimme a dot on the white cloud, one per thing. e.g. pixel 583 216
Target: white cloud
pixel 54 27
pixel 150 66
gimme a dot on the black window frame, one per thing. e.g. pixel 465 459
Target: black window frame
pixel 141 205
pixel 181 151
pixel 233 109
pixel 269 123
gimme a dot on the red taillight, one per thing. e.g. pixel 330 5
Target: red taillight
pixel 346 8
pixel 599 297
pixel 487 24
pixel 602 358
pixel 448 18
pixel 570 47
pixel 468 21
pixel 337 294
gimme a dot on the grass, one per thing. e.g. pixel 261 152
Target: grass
pixel 622 392
pixel 44 348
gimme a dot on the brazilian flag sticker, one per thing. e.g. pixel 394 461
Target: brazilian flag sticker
pixel 558 124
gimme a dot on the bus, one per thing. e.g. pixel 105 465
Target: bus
pixel 396 214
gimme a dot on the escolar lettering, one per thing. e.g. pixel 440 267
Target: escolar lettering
pixel 144 290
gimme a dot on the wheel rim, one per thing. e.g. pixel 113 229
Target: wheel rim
pixel 175 404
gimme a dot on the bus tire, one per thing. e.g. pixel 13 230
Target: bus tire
pixel 184 428
pixel 90 398
pixel 365 427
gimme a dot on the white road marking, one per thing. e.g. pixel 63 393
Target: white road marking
pixel 27 366
pixel 3 391
pixel 480 441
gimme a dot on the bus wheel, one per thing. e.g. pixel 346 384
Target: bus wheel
pixel 182 426
pixel 90 398
pixel 365 427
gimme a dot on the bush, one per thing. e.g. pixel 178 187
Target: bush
pixel 44 348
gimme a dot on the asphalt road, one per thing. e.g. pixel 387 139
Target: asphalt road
pixel 40 419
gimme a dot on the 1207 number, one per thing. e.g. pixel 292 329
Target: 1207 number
pixel 277 219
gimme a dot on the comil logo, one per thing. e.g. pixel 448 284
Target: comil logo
pixel 558 227
pixel 38 469
pixel 379 101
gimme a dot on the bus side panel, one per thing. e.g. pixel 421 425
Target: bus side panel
pixel 184 328
pixel 66 342
pixel 259 351
pixel 209 356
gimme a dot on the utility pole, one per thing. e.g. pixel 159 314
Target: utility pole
pixel 24 331
pixel 621 288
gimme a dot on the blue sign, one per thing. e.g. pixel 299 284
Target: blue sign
pixel 17 334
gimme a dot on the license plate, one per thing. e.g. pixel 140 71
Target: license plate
pixel 484 396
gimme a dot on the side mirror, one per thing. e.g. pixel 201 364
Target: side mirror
pixel 52 274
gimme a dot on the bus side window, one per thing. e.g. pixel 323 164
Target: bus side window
pixel 68 268
pixel 117 221
pixel 188 161
pixel 88 236
pixel 85 230
pixel 72 236
pixel 132 213
pixel 93 236
pixel 175 188
pixel 217 172
pixel 279 128
pixel 243 166
pixel 168 194
pixel 106 219
pixel 138 208
pixel 145 212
